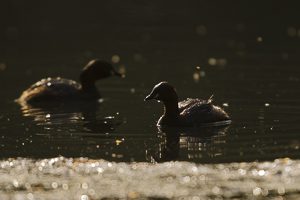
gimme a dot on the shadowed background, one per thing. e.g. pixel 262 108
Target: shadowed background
pixel 247 51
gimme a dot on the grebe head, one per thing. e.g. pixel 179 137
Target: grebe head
pixel 96 70
pixel 164 92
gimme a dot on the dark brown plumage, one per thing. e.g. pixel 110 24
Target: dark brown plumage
pixel 190 112
pixel 60 89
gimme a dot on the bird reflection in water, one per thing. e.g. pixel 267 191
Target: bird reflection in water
pixel 79 116
pixel 189 143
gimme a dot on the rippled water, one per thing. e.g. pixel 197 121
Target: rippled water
pixel 264 108
pixel 84 179
pixel 248 60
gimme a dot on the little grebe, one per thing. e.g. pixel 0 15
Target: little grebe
pixel 60 89
pixel 190 112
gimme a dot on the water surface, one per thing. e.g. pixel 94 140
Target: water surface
pixel 246 54
pixel 263 104
pixel 84 179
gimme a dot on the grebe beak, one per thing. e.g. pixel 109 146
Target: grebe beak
pixel 118 74
pixel 147 98
pixel 152 96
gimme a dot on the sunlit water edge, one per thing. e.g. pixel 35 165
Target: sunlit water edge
pixel 83 178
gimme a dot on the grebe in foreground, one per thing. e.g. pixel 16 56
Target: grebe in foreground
pixel 60 89
pixel 190 112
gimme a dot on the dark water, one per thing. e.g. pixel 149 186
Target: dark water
pixel 248 60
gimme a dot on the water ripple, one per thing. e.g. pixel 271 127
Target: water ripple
pixel 61 177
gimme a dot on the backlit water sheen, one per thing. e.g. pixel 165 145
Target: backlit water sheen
pixel 248 61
